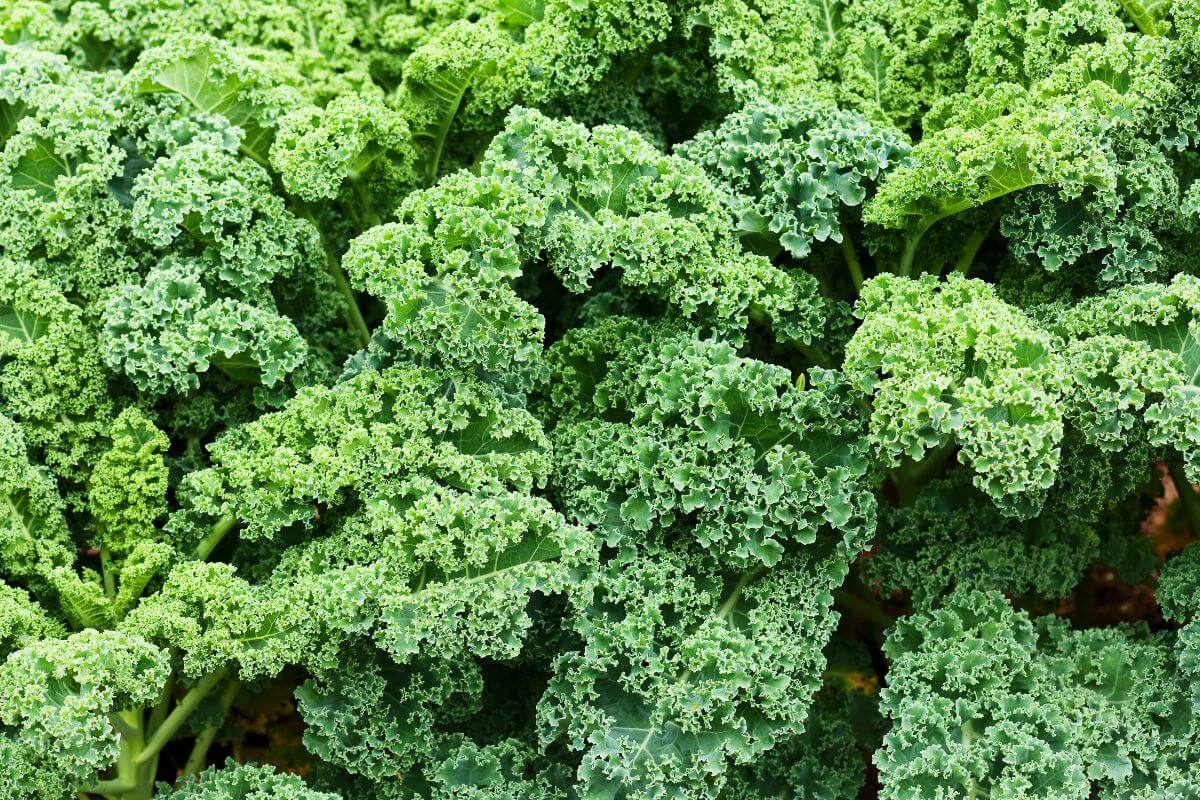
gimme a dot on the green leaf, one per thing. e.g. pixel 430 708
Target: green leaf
pixel 39 168
pixel 11 113
pixel 521 13
pixel 1146 16
pixel 875 64
pixel 22 326
pixel 828 14
pixel 440 94
pixel 203 72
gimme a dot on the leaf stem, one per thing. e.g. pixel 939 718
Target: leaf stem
pixel 851 256
pixel 967 258
pixel 912 476
pixel 175 720
pixel 1187 494
pixel 814 354
pixel 198 758
pixel 1141 17
pixel 865 608
pixel 132 779
pixel 906 258
pixel 354 317
pixel 353 313
pixel 918 232
pixel 967 730
pixel 159 712
pixel 124 728
pixel 209 543
pixel 110 585
pixel 115 786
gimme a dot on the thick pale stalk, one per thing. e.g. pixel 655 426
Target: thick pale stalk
pixel 162 735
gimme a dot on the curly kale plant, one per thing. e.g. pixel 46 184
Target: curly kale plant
pixel 625 400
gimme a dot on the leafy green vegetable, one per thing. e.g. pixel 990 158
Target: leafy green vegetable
pixel 624 400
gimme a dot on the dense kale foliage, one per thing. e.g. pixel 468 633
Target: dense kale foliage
pixel 599 400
